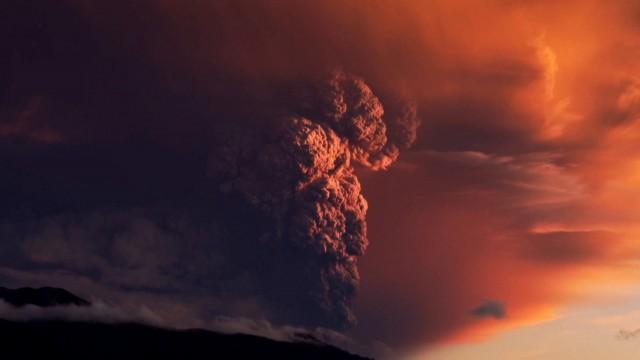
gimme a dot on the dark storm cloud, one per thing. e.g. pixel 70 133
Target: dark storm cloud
pixel 490 308
pixel 154 153
pixel 300 174
pixel 205 158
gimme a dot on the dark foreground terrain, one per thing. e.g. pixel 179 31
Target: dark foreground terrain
pixel 42 297
pixel 83 340
pixel 73 340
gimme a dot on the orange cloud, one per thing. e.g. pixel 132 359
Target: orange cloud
pixel 530 198
pixel 522 186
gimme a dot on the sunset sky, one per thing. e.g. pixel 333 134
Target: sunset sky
pixel 137 139
pixel 522 186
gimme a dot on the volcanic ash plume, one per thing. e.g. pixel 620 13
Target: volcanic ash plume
pixel 299 173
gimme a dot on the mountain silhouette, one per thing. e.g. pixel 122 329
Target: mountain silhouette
pixel 70 340
pixel 43 297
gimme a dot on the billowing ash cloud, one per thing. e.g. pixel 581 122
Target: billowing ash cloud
pixel 160 154
pixel 490 308
pixel 350 107
pixel 300 175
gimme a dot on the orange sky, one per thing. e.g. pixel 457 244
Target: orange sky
pixel 521 187
pixel 538 209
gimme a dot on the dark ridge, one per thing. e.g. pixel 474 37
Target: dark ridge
pixel 43 297
pixel 75 340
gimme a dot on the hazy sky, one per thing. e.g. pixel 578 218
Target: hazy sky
pixel 593 330
pixel 262 160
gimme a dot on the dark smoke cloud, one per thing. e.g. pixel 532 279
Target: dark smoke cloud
pixel 301 177
pixel 197 157
pixel 490 308
pixel 349 106
pixel 133 159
